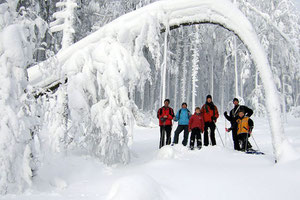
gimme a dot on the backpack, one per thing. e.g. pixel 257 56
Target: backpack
pixel 160 112
pixel 243 125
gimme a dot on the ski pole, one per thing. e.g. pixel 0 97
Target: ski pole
pixel 246 149
pixel 225 132
pixel 255 143
pixel 219 134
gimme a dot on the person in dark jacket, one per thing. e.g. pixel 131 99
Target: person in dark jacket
pixel 183 115
pixel 244 126
pixel 210 115
pixel 196 125
pixel 232 117
pixel 165 115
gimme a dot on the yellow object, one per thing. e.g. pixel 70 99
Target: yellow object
pixel 243 125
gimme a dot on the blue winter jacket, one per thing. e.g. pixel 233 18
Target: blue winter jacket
pixel 184 117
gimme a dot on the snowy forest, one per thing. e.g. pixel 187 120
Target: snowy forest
pixel 50 107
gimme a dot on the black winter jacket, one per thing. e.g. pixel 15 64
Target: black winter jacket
pixel 233 115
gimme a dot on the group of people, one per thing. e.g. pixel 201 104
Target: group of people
pixel 204 118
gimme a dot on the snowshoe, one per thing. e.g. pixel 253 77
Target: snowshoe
pixel 252 151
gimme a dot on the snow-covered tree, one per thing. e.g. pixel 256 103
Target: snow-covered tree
pixel 195 63
pixel 65 19
pixel 16 126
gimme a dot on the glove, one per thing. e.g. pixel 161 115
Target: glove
pixel 228 129
pixel 163 119
pixel 250 131
pixel 225 113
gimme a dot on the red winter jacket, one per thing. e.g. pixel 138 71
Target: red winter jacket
pixel 168 111
pixel 209 113
pixel 196 121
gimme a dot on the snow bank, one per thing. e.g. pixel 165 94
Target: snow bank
pixel 287 153
pixel 58 183
pixel 171 152
pixel 136 187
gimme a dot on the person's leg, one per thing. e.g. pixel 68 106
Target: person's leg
pixel 240 141
pixel 212 133
pixel 168 134
pixel 176 134
pixel 243 137
pixel 186 135
pixel 235 140
pixel 249 146
pixel 199 141
pixel 192 139
pixel 162 136
pixel 206 133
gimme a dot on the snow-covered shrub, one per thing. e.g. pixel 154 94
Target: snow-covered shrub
pixel 15 141
pixel 145 188
pixel 145 119
pixel 256 102
pixel 19 33
pixel 100 79
pixel 295 111
pixel 54 122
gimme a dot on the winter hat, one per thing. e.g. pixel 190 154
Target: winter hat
pixel 242 110
pixel 208 97
pixel 168 100
pixel 235 99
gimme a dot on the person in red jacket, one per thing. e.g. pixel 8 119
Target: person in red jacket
pixel 211 114
pixel 165 115
pixel 196 125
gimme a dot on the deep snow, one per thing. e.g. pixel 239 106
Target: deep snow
pixel 174 172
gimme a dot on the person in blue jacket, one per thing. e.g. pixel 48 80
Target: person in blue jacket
pixel 182 116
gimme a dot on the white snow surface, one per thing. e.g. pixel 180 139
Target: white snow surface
pixel 212 173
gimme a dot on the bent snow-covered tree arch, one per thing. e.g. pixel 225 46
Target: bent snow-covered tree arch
pixel 103 68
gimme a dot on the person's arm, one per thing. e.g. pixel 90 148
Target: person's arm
pixel 202 124
pixel 202 110
pixel 171 114
pixel 177 116
pixel 227 116
pixel 158 114
pixel 216 113
pixel 190 123
pixel 248 111
pixel 251 125
pixel 215 117
pixel 234 125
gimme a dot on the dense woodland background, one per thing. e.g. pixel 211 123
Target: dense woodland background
pixel 223 64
